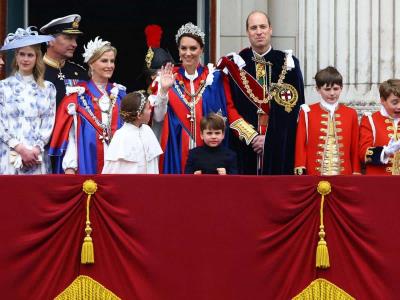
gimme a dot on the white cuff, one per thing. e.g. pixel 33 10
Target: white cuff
pixel 384 157
pixel 12 143
pixel 160 107
pixel 70 160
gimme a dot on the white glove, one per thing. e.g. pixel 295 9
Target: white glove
pixel 15 159
pixel 392 147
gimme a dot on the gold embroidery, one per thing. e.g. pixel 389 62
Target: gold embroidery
pixel 272 92
pixel 245 130
pixel 149 57
pixel 286 96
pixel 260 71
pixel 331 162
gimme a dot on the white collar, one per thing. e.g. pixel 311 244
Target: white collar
pixel 192 77
pixel 384 113
pixel 24 78
pixel 132 127
pixel 329 107
pixel 265 53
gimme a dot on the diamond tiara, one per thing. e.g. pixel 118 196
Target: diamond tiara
pixel 143 101
pixel 191 29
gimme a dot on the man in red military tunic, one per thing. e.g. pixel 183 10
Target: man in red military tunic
pixel 327 132
pixel 379 137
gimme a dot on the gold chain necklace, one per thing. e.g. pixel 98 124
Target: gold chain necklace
pixel 272 90
pixel 195 97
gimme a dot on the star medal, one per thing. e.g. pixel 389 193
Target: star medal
pixel 60 75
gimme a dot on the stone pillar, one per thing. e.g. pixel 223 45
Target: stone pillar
pixel 359 37
pixel 231 23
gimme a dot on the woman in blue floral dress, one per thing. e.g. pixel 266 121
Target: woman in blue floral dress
pixel 27 107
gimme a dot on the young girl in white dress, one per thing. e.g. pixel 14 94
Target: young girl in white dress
pixel 134 149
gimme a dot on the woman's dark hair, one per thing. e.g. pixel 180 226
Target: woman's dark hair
pixel 195 37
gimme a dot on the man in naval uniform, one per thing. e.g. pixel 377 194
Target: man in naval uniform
pixel 267 90
pixel 60 70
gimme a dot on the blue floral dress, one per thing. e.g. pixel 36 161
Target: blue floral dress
pixel 27 113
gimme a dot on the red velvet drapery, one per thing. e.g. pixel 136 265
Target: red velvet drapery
pixel 199 237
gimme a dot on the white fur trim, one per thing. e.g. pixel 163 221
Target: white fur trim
pixel 289 58
pixel 306 110
pixel 74 89
pixel 210 76
pixel 371 122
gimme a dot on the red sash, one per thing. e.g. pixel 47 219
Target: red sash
pixel 253 84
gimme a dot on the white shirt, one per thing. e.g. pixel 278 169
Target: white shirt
pixel 329 107
pixel 133 150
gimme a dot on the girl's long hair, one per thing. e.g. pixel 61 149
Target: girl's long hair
pixel 38 69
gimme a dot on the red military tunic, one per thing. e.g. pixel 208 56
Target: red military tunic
pixel 372 139
pixel 327 146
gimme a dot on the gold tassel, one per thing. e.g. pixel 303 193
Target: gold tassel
pixel 87 253
pixel 322 256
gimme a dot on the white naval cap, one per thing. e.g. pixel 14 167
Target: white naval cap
pixel 67 25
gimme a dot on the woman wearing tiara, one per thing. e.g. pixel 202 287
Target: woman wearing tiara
pixel 27 107
pixel 88 115
pixel 185 94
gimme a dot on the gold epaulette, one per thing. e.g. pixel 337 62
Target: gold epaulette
pixel 245 130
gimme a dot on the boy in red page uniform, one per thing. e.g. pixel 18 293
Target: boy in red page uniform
pixel 327 132
pixel 379 137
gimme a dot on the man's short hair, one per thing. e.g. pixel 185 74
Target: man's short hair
pixel 257 11
pixel 388 87
pixel 212 121
pixel 329 76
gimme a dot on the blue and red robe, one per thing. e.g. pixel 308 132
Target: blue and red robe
pixel 176 132
pixel 90 147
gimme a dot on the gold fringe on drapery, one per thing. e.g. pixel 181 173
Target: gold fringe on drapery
pixel 322 257
pixel 322 289
pixel 86 288
pixel 87 253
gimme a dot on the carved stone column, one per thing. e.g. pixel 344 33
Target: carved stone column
pixel 359 37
